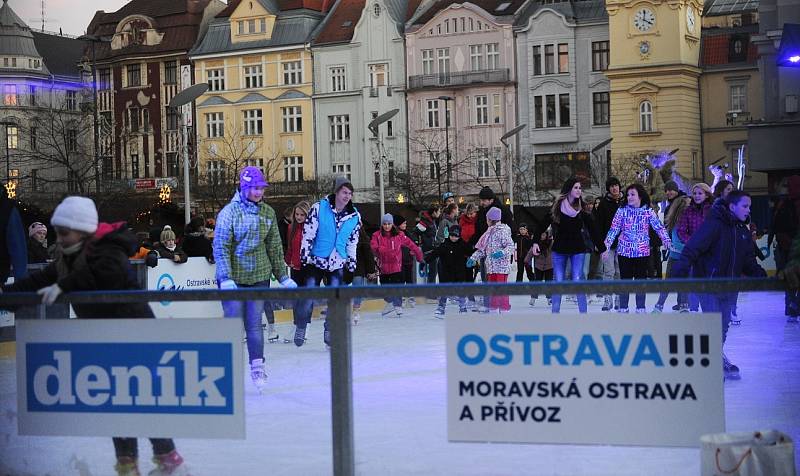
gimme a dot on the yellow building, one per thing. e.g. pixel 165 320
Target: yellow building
pixel 654 76
pixel 258 108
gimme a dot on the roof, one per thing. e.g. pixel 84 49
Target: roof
pixel 290 29
pixel 61 55
pixel 340 23
pixel 490 6
pixel 15 35
pixel 716 44
pixel 577 11
pixel 728 7
pixel 269 5
pixel 315 5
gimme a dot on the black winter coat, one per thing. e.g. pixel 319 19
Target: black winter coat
pixel 453 257
pixel 568 237
pixel 604 214
pixel 102 265
pixel 36 252
pixel 163 253
pixel 721 248
pixel 196 245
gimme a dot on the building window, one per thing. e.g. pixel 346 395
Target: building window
pixel 341 169
pixel 563 110
pixel 34 133
pixel 104 81
pixel 537 112
pixel 253 77
pixel 72 140
pixel 35 183
pixel 537 60
pixel 171 72
pixel 377 75
pixel 433 164
pixel 427 61
pixel 476 57
pixel 293 169
pixel 338 78
pixel 10 94
pixel 293 72
pixel 443 61
pixel 134 74
pixel 645 117
pixel 553 169
pixel 32 95
pixel 216 79
pixel 171 115
pixel 240 24
pixel 496 109
pixel 252 122
pixel 215 125
pixel 71 100
pixel 550 110
pixel 340 128
pixel 600 56
pixel 481 110
pixel 492 56
pixel 563 58
pixel 292 119
pixel 601 106
pixel 489 163
pixel 12 137
pixel 549 59
pixel 133 119
pixel 738 95
pixel 483 163
pixel 433 113
pixel 215 172
pixel 376 10
pixel 172 164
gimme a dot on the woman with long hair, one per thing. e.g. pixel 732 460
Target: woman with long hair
pixel 692 218
pixel 632 223
pixel 671 223
pixel 570 225
pixel 294 238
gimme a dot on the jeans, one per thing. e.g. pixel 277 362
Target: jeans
pixel 610 267
pixel 575 272
pixel 724 303
pixel 394 278
pixel 128 447
pixel 358 281
pixel 314 276
pixel 250 313
pixel 662 298
pixel 633 268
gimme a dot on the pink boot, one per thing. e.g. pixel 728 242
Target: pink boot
pixel 169 464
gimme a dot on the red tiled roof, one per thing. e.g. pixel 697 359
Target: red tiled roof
pixel 488 5
pixel 716 50
pixel 412 7
pixel 341 23
pixel 297 4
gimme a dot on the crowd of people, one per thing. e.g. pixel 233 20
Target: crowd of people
pixel 705 234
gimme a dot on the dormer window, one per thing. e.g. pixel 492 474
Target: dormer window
pixel 135 32
pixel 252 26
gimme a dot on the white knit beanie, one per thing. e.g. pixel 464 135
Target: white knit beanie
pixel 76 213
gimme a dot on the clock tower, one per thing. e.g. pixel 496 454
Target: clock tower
pixel 654 73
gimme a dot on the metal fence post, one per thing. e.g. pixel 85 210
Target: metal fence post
pixel 341 386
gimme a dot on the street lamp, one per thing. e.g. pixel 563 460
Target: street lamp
pixel 373 127
pixel 503 139
pixel 184 97
pixel 95 39
pixel 447 100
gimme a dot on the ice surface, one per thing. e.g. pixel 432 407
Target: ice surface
pixel 400 418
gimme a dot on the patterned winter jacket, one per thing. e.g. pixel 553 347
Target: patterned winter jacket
pixel 499 239
pixel 241 231
pixel 632 225
pixel 691 219
pixel 311 228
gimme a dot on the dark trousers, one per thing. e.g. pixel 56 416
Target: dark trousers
pixel 298 277
pixel 683 298
pixel 128 447
pixel 542 275
pixel 633 268
pixel 526 270
pixel 313 277
pixel 394 278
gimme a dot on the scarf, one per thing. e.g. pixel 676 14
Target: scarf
pixel 71 250
pixel 567 209
pixel 483 242
pixel 171 248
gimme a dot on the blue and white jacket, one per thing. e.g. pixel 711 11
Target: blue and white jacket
pixel 330 238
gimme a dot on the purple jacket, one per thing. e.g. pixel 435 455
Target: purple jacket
pixel 632 226
pixel 692 217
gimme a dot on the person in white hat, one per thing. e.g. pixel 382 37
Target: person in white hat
pixel 93 256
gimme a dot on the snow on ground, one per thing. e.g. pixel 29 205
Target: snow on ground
pixel 400 403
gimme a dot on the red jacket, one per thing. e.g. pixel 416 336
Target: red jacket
pixel 388 249
pixel 467 226
pixel 292 255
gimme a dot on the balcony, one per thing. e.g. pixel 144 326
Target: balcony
pixel 737 118
pixel 464 78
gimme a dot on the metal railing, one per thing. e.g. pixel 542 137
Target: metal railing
pixel 339 314
pixel 463 78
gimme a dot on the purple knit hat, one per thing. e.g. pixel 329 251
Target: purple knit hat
pixel 494 214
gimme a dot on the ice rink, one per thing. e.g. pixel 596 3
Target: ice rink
pixel 400 402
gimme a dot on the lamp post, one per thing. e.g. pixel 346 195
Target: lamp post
pixel 447 100
pixel 503 139
pixel 373 127
pixel 95 39
pixel 184 97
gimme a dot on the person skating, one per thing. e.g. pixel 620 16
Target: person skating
pixel 632 223
pixel 247 250
pixel 453 255
pixel 294 240
pixel 426 230
pixel 387 244
pixel 670 223
pixel 487 200
pixel 524 241
pixel 92 256
pixel 366 271
pixel 542 263
pixel 690 221
pixel 495 248
pixel 604 214
pixel 722 248
pixel 330 240
pixel 409 268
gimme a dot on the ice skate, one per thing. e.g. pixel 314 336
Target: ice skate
pixel 259 375
pixel 641 310
pixel 288 337
pixel 657 309
pixel 326 338
pixel 356 317
pixel 532 302
pixel 169 464
pixel 411 303
pixel 731 371
pixel 299 336
pixel 388 309
pixel 439 312
pixel 735 321
pixel 127 466
pixel 398 310
pixel 272 334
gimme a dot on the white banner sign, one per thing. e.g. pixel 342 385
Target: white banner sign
pixel 186 81
pixel 196 273
pixel 585 379
pixel 130 377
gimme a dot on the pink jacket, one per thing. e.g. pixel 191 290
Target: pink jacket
pixel 388 249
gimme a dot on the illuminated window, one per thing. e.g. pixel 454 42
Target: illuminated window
pixel 10 94
pixel 12 137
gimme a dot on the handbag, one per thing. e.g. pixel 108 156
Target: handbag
pixel 760 453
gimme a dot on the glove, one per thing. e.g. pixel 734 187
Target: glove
pixel 471 263
pixel 227 284
pixel 49 294
pixel 288 283
pixel 497 254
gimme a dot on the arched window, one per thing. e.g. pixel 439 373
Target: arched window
pixel 377 10
pixel 645 117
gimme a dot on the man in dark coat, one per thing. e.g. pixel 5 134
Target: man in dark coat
pixel 603 216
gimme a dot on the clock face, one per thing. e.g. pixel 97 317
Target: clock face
pixel 644 19
pixel 644 47
pixel 690 19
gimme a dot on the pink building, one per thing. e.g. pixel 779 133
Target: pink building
pixel 461 95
